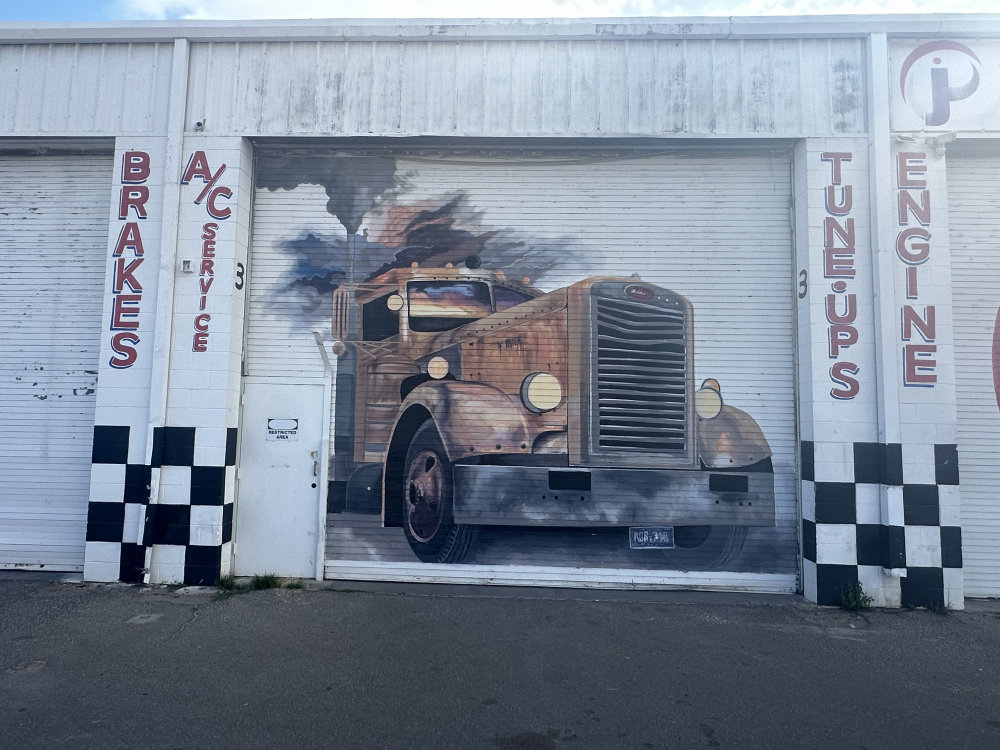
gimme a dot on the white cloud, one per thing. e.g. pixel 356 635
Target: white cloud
pixel 262 9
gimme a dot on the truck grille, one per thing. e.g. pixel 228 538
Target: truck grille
pixel 640 386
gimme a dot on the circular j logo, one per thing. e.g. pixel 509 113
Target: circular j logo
pixel 639 292
pixel 936 74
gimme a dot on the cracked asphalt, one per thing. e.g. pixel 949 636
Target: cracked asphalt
pixel 344 665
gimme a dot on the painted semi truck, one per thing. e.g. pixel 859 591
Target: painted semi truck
pixel 482 401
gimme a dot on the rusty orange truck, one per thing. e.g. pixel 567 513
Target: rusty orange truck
pixel 482 401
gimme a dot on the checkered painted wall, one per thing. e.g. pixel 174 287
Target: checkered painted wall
pixel 191 525
pixel 844 540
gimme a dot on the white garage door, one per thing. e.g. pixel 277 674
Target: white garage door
pixel 974 215
pixel 712 226
pixel 53 232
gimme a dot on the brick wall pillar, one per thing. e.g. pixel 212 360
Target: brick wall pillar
pixel 163 477
pixel 878 461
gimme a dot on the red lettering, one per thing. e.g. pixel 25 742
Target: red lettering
pixel 201 322
pixel 913 248
pixel 197 166
pixel 838 262
pixel 136 198
pixel 911 282
pixel 832 227
pixel 214 211
pixel 907 204
pixel 842 374
pixel 909 168
pixel 836 158
pixel 926 325
pixel 135 166
pixel 123 344
pixel 124 275
pixel 839 209
pixel 917 252
pixel 129 239
pixel 841 337
pixel 850 313
pixel 207 271
pixel 918 368
pixel 125 306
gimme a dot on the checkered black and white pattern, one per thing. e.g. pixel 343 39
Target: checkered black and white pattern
pixel 187 534
pixel 854 532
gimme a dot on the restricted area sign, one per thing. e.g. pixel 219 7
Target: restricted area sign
pixel 283 429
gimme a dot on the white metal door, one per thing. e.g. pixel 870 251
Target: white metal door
pixel 974 214
pixel 279 476
pixel 53 232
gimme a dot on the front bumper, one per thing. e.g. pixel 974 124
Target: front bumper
pixel 544 496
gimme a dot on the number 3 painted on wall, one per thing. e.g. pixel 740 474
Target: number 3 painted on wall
pixel 803 286
pixel 240 271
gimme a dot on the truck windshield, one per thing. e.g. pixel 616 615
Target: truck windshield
pixel 443 305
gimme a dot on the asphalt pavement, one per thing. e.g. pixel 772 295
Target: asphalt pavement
pixel 344 665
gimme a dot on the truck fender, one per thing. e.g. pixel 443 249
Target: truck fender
pixel 472 418
pixel 731 440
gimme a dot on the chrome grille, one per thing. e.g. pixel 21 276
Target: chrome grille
pixel 640 377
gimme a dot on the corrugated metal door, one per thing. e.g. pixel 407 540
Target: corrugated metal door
pixel 712 226
pixel 974 215
pixel 53 232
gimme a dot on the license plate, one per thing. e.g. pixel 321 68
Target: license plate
pixel 651 537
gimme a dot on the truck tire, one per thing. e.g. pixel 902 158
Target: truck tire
pixel 706 547
pixel 428 501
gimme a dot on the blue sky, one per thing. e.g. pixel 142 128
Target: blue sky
pixel 119 10
pixel 52 10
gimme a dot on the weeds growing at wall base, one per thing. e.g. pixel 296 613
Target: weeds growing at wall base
pixel 854 599
pixel 228 585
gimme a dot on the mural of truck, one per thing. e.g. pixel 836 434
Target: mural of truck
pixel 482 401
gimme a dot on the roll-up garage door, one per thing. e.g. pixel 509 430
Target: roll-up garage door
pixel 974 214
pixel 53 230
pixel 525 337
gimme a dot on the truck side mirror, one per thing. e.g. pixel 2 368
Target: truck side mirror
pixel 394 302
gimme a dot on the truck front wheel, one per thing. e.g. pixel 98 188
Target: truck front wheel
pixel 428 500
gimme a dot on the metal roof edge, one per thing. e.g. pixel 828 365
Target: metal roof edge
pixel 964 25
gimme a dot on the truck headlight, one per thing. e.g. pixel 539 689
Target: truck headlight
pixel 540 391
pixel 708 399
pixel 437 367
